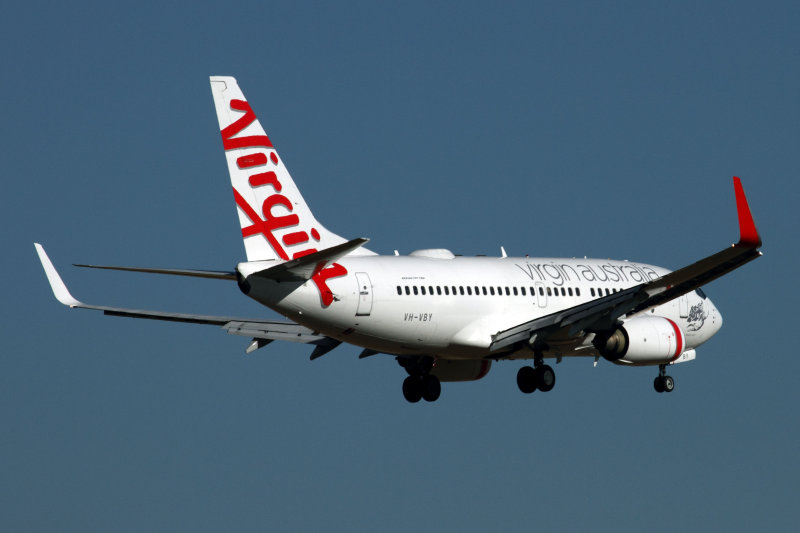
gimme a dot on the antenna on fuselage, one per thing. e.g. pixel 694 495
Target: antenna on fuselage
pixel 503 253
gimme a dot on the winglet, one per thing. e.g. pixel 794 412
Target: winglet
pixel 56 283
pixel 748 234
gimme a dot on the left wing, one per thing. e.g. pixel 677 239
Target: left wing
pixel 602 314
pixel 262 331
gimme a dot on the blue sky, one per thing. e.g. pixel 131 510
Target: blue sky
pixel 557 129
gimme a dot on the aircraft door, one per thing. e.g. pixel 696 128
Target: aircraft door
pixel 364 294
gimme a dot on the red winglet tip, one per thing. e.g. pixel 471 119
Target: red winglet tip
pixel 748 234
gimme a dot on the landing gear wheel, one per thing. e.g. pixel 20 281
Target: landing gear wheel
pixel 545 378
pixel 412 389
pixel 431 388
pixel 526 379
pixel 664 384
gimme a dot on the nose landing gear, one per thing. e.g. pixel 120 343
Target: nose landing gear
pixel 663 382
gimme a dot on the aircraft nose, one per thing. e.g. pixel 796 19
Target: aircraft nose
pixel 716 318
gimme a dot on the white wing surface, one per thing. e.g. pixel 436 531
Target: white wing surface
pixel 262 331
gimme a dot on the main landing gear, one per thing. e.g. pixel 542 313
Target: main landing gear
pixel 420 383
pixel 540 376
pixel 663 382
pixel 427 387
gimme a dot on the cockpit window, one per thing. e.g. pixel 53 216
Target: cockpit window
pixel 700 293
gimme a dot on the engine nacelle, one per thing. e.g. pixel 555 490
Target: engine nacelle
pixel 646 340
pixel 466 370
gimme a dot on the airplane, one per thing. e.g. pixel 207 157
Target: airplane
pixel 444 317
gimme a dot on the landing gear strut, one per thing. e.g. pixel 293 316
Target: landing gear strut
pixel 420 384
pixel 663 382
pixel 540 377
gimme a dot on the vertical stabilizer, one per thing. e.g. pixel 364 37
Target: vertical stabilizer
pixel 275 219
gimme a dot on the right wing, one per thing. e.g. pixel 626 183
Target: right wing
pixel 261 331
pixel 603 313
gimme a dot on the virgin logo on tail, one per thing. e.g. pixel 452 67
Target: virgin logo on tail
pixel 267 223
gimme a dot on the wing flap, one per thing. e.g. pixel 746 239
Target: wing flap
pixel 275 330
pixel 576 318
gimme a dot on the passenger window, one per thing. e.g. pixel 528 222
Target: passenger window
pixel 549 292
pixel 570 291
pixel 608 292
pixel 577 292
pixel 484 291
pixel 522 289
pixel 541 291
pixel 422 290
pixel 446 290
pixel 399 291
pixel 508 291
pixel 477 291
pixel 461 290
pixel 515 292
pixel 491 291
pixel 591 291
pixel 469 291
pixel 438 290
pixel 407 291
pixel 415 290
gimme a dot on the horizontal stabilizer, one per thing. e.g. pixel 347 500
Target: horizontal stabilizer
pixel 212 274
pixel 304 268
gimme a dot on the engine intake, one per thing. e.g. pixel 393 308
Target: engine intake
pixel 644 340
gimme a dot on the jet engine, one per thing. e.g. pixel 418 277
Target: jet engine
pixel 466 370
pixel 646 340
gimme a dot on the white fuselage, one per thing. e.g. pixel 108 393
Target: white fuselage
pixel 432 303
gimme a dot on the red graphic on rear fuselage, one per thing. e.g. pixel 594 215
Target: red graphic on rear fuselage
pixel 271 222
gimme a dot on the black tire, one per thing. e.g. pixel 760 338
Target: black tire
pixel 526 379
pixel 412 389
pixel 658 384
pixel 668 384
pixel 545 378
pixel 431 388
